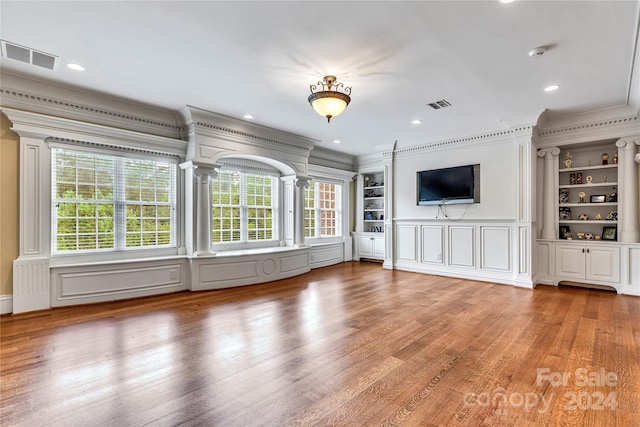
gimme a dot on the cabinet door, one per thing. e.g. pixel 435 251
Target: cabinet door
pixel 570 261
pixel 378 247
pixel 365 246
pixel 603 264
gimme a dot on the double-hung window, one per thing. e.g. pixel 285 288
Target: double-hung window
pixel 104 202
pixel 244 208
pixel 322 210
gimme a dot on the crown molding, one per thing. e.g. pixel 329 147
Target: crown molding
pixel 518 132
pixel 219 126
pixel 593 126
pixel 21 93
pixel 240 164
pixel 46 127
pixel 322 156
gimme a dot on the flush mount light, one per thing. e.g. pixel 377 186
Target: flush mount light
pixel 75 67
pixel 551 88
pixel 330 101
pixel 336 141
pixel 506 1
pixel 416 122
pixel 248 116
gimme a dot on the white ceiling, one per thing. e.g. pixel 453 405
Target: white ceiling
pixel 259 58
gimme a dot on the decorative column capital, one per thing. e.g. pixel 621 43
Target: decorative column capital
pixel 205 172
pixel 628 141
pixel 553 151
pixel 302 182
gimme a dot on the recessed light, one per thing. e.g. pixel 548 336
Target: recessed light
pixel 551 88
pixel 75 67
pixel 336 141
pixel 506 1
pixel 248 116
pixel 416 122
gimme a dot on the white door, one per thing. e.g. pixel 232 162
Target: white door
pixel 570 262
pixel 603 263
pixel 365 246
pixel 378 247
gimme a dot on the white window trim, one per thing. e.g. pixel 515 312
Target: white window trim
pixel 343 177
pixel 80 257
pixel 276 220
pixel 317 213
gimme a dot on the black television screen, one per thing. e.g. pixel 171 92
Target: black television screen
pixel 460 184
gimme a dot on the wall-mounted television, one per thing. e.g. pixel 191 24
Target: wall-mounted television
pixel 460 184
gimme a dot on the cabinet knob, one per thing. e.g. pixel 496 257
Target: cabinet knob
pixel 582 250
pixel 587 250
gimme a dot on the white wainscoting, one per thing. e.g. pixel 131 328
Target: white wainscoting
pixel 31 289
pixel 406 248
pixel 106 282
pixel 239 268
pixel 38 286
pixel 432 239
pixel 495 248
pixel 323 255
pixel 546 265
pixel 6 304
pixel 473 250
pixel 633 286
pixel 462 246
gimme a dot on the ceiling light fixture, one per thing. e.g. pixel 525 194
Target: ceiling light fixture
pixel 329 102
pixel 336 141
pixel 248 116
pixel 551 88
pixel 416 122
pixel 75 67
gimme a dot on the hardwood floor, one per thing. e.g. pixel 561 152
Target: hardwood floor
pixel 350 344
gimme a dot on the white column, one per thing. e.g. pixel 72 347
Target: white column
pixel 359 203
pixel 298 212
pixel 204 175
pixel 628 227
pixel 288 207
pixel 549 213
pixel 389 243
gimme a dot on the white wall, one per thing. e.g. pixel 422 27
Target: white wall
pixel 498 178
pixel 490 240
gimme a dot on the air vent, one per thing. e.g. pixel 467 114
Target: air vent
pixel 443 103
pixel 28 55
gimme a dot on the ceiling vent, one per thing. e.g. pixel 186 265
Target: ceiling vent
pixel 443 103
pixel 28 55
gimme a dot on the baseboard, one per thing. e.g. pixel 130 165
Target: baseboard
pixel 6 304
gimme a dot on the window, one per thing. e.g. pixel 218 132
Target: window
pixel 322 210
pixel 103 202
pixel 243 207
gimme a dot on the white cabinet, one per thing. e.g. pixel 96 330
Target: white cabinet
pixel 370 246
pixel 595 262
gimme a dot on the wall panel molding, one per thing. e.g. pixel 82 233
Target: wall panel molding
pixel 495 248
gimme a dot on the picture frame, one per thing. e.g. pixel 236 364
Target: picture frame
pixel 597 198
pixel 609 233
pixel 564 213
pixel 565 232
